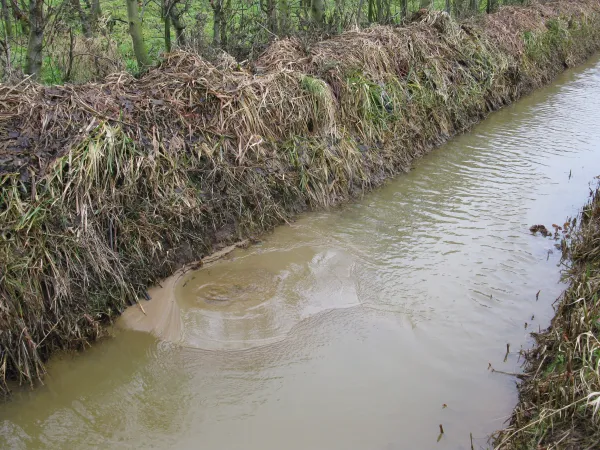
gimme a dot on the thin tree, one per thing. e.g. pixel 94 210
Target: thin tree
pixel 317 11
pixel 284 16
pixel 271 11
pixel 224 15
pixel 33 61
pixel 8 31
pixel 21 16
pixel 172 15
pixel 217 7
pixel 388 11
pixel 135 30
pixel 95 12
pixel 167 24
pixel 83 18
pixel 176 13
pixel 359 12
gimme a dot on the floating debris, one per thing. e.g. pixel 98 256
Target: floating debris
pixel 541 229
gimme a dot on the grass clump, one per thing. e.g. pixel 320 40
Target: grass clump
pixel 559 404
pixel 106 188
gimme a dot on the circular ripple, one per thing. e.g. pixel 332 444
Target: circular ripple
pixel 257 297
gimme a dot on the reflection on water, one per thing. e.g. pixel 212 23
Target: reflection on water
pixel 348 329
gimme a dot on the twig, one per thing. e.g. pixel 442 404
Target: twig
pixel 521 376
pixel 48 333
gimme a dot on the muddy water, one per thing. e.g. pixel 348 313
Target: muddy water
pixel 348 329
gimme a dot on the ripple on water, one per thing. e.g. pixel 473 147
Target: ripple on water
pixel 256 297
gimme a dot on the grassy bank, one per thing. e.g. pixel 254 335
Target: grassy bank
pixel 107 188
pixel 559 405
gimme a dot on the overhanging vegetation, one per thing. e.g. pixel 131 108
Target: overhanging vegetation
pixel 559 403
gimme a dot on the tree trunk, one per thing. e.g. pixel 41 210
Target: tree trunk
pixel 358 14
pixel 272 16
pixel 425 4
pixel 33 63
pixel 404 8
pixel 224 24
pixel 217 7
pixel 167 19
pixel 135 30
pixel 85 24
pixel 178 25
pixel 338 16
pixel 371 11
pixel 69 72
pixel 473 5
pixel 388 11
pixel 95 12
pixel 284 17
pixel 6 18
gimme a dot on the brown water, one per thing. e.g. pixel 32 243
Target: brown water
pixel 348 329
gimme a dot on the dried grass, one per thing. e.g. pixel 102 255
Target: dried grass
pixel 107 187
